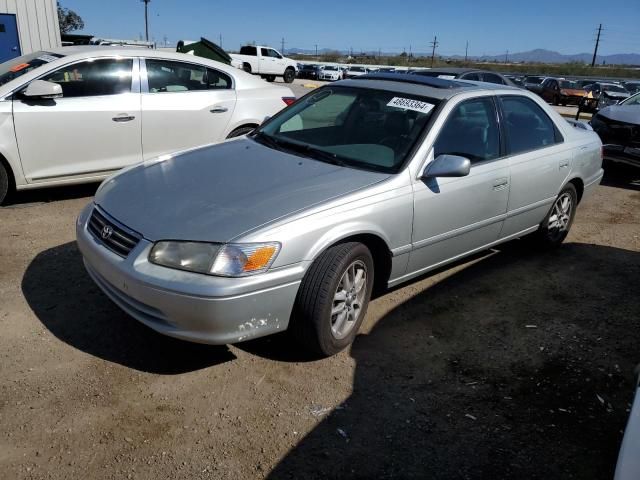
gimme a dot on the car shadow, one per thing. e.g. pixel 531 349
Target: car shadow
pixel 27 198
pixel 518 365
pixel 620 175
pixel 68 303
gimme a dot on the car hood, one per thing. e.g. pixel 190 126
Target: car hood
pixel 622 113
pixel 218 192
pixel 618 95
pixel 573 91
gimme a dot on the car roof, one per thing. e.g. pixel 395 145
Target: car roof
pixel 456 70
pixel 437 88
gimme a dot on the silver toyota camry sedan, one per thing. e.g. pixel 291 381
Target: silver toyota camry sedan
pixel 363 184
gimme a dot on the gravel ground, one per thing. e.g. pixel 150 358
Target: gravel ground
pixel 513 364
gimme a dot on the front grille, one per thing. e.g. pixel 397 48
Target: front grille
pixel 111 234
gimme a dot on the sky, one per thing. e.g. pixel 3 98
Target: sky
pixel 492 27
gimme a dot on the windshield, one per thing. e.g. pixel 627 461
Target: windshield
pixel 535 80
pixel 357 69
pixel 567 84
pixel 17 67
pixel 634 100
pixel 331 68
pixel 613 88
pixel 356 127
pixel 309 67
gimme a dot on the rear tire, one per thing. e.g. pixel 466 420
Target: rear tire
pixel 556 225
pixel 289 75
pixel 333 298
pixel 270 78
pixel 240 131
pixel 4 183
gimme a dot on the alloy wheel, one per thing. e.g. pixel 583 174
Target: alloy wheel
pixel 348 299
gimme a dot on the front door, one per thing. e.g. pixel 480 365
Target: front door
pixel 92 130
pixel 454 216
pixel 9 42
pixel 185 105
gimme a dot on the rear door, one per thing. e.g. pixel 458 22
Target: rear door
pixel 92 130
pixel 539 161
pixel 268 63
pixel 453 216
pixel 184 105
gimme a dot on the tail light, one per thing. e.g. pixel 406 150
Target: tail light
pixel 288 100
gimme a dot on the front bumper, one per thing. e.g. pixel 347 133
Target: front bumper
pixel 190 306
pixel 622 154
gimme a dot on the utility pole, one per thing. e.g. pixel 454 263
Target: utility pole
pixel 466 52
pixel 434 44
pixel 506 57
pixel 595 50
pixel 282 49
pixel 316 50
pixel 220 41
pixel 146 18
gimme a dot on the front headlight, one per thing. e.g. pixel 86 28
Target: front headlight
pixel 229 260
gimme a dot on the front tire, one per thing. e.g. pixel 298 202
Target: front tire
pixel 240 131
pixel 556 225
pixel 289 75
pixel 246 67
pixel 4 183
pixel 333 299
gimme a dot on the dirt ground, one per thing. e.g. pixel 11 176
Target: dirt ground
pixel 514 364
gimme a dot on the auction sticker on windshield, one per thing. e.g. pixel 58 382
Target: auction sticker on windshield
pixel 410 104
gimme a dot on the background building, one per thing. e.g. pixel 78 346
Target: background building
pixel 27 26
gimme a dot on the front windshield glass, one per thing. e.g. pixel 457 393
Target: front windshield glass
pixel 331 68
pixel 634 100
pixel 17 67
pixel 533 80
pixel 356 127
pixel 357 69
pixel 567 84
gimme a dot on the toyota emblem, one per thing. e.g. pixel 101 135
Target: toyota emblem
pixel 107 231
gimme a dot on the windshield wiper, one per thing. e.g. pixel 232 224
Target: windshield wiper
pixel 267 140
pixel 306 150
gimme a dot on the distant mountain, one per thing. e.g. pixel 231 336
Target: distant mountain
pixel 538 55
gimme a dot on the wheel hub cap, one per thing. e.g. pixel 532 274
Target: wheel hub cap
pixel 348 299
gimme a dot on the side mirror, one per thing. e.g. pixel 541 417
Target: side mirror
pixel 42 89
pixel 447 166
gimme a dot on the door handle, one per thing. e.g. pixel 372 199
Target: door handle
pixel 564 164
pixel 219 109
pixel 123 118
pixel 500 183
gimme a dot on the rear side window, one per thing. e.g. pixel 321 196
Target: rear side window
pixel 527 126
pixel 471 76
pixel 108 76
pixel 167 76
pixel 217 79
pixel 253 51
pixel 471 131
pixel 492 78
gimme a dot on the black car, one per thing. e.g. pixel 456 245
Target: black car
pixel 619 129
pixel 533 83
pixel 465 74
pixel 309 71
pixel 600 95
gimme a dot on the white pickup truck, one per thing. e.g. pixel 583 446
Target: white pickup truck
pixel 266 62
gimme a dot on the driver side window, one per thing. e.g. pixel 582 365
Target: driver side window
pixel 471 131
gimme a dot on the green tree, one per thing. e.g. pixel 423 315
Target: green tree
pixel 69 20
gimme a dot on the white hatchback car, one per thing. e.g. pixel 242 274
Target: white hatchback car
pixel 77 114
